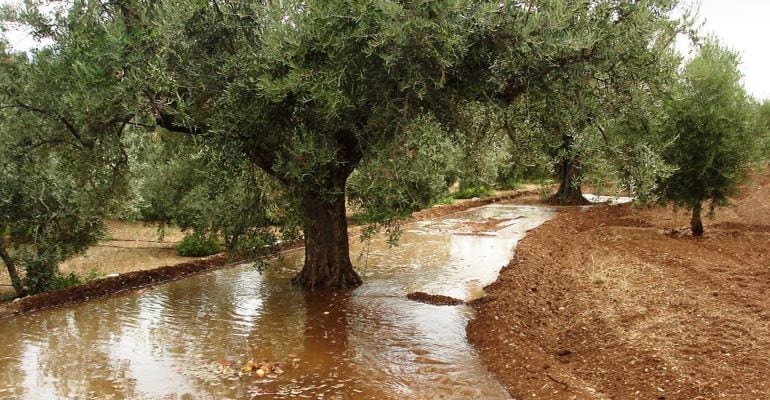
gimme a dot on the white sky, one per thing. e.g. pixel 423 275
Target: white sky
pixel 743 25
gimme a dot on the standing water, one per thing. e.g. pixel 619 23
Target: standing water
pixel 194 338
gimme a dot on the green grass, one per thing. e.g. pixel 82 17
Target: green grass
pixel 510 184
pixel 443 201
pixel 471 192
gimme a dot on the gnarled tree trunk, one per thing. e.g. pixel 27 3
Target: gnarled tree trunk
pixel 327 255
pixel 569 193
pixel 696 224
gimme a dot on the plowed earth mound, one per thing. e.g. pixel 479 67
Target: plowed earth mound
pixel 622 303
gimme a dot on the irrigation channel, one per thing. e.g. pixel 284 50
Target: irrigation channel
pixel 238 333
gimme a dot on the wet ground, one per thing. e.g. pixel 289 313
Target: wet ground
pixel 191 339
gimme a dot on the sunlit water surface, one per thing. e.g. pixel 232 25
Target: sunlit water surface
pixel 173 340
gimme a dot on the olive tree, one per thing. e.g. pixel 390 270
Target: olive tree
pixel 613 57
pixel 213 194
pixel 56 179
pixel 762 128
pixel 709 119
pixel 305 89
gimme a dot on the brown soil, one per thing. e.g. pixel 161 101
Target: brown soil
pixel 136 238
pixel 435 299
pixel 622 303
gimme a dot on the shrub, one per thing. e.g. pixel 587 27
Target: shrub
pixel 62 281
pixel 444 201
pixel 197 246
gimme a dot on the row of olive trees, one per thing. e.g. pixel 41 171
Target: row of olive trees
pixel 280 103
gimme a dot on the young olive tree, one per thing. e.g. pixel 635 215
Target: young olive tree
pixel 709 119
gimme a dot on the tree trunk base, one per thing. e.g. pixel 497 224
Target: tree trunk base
pixel 568 200
pixel 568 172
pixel 309 279
pixel 327 255
pixel 696 223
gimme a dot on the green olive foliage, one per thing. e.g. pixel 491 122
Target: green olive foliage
pixel 215 195
pixel 58 180
pixel 308 90
pixel 406 175
pixel 761 126
pixel 593 95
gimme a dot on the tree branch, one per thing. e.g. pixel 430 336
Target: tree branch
pixel 168 121
pixel 57 117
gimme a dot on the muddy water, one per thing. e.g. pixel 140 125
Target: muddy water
pixel 188 339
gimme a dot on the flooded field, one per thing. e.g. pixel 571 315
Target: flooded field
pixel 238 333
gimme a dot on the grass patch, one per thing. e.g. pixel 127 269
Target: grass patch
pixel 471 192
pixel 544 192
pixel 510 184
pixel 443 201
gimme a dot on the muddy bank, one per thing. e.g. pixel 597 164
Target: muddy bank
pixel 617 302
pixel 137 279
pixel 111 285
pixel 434 299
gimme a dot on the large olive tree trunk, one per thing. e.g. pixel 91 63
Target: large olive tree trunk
pixel 567 170
pixel 570 192
pixel 327 255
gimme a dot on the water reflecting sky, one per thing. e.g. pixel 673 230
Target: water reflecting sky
pixel 367 343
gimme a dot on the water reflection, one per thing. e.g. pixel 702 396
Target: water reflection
pixel 165 341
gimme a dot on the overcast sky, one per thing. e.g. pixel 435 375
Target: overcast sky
pixel 743 25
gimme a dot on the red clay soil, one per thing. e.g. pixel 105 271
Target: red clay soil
pixel 622 303
pixel 137 279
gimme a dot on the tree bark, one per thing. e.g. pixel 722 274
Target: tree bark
pixel 696 224
pixel 327 255
pixel 16 282
pixel 569 193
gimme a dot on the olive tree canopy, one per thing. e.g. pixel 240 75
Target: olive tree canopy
pixel 304 90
